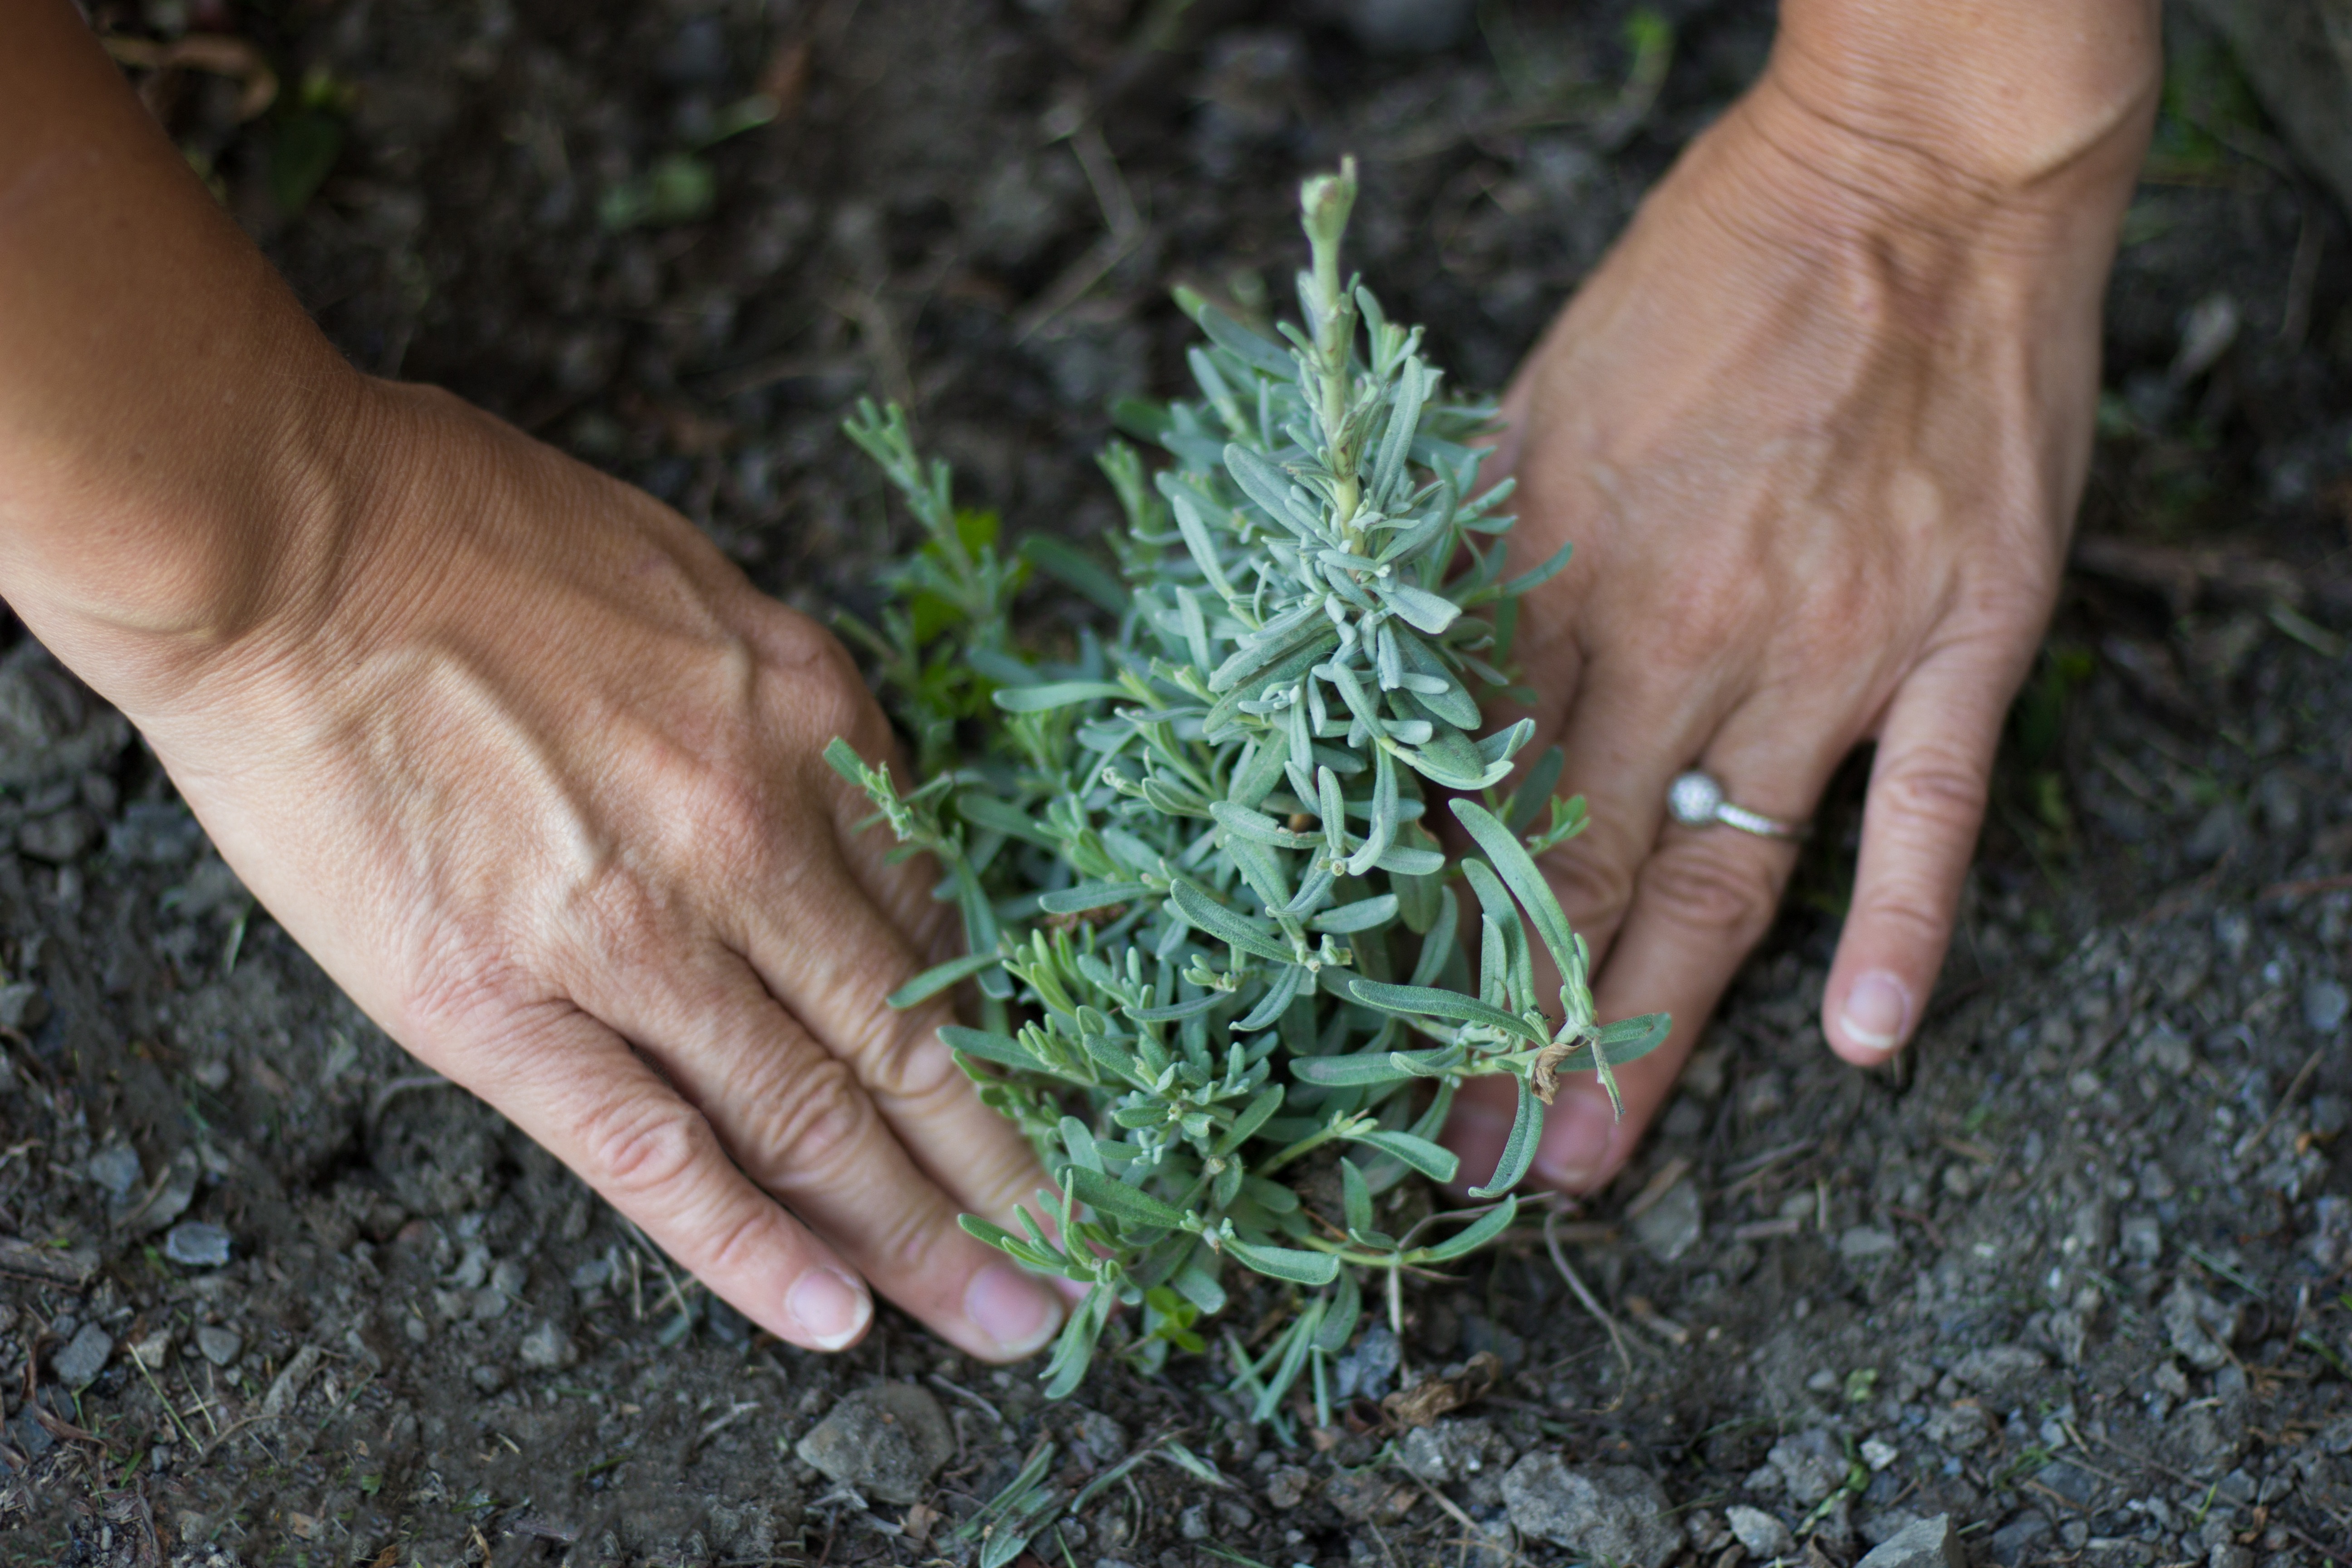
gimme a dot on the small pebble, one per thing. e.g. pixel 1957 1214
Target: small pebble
pixel 116 1169
pixel 546 1348
pixel 219 1345
pixel 84 1356
pixel 2325 1005
pixel 489 1378
pixel 1759 1533
pixel 194 1244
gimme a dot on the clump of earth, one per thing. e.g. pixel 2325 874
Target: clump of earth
pixel 2070 1285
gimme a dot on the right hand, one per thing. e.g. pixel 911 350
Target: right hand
pixel 536 775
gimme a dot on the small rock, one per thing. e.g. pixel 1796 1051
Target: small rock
pixel 508 1280
pixel 593 1275
pixel 1865 1243
pixel 2004 1372
pixel 23 1004
pixel 84 1356
pixel 1366 1496
pixel 1761 1534
pixel 1958 1427
pixel 2325 1005
pixel 1878 1453
pixel 58 837
pixel 2142 1237
pixel 1288 1487
pixel 2330 1243
pixel 884 1442
pixel 116 1169
pixel 153 1351
pixel 196 1244
pixel 1366 1370
pixel 1604 1511
pixel 2018 1541
pixel 154 833
pixel 546 1348
pixel 1192 1524
pixel 1671 1226
pixel 487 1377
pixel 2199 1327
pixel 1924 1543
pixel 1812 1464
pixel 168 1200
pixel 219 1345
pixel 1105 1441
pixel 1453 1450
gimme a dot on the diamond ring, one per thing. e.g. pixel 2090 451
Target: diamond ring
pixel 1696 799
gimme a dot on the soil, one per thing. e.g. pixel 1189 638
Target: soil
pixel 2073 1276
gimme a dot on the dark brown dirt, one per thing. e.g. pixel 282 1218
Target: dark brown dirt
pixel 2076 1276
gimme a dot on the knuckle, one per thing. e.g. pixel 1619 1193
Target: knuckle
pixel 1730 889
pixel 745 1245
pixel 455 975
pixel 815 1120
pixel 645 1145
pixel 1593 880
pixel 1933 794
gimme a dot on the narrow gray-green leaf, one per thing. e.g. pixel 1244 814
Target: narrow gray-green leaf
pixel 1519 1149
pixel 1473 1235
pixel 1439 1165
pixel 1518 869
pixel 1214 918
pixel 1363 915
pixel 1093 896
pixel 1002 1049
pixel 933 981
pixel 1119 1200
pixel 1285 1262
pixel 1054 694
pixel 1433 1003
pixel 1433 613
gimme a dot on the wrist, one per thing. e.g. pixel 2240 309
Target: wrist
pixel 2010 98
pixel 193 533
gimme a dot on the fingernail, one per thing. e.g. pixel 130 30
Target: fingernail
pixel 1578 1131
pixel 1476 1136
pixel 830 1306
pixel 1877 1016
pixel 1016 1310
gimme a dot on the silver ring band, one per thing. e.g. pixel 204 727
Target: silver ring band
pixel 1696 799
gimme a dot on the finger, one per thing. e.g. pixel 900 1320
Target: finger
pixel 1928 786
pixel 1629 732
pixel 801 1126
pixel 833 960
pixel 1627 739
pixel 1704 898
pixel 576 1088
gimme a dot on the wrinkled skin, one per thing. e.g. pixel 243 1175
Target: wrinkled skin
pixel 1816 427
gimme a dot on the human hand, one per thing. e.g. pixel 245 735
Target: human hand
pixel 535 774
pixel 1816 427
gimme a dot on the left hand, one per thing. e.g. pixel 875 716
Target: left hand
pixel 1817 429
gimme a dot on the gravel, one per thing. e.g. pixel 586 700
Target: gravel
pixel 83 1357
pixel 195 1244
pixel 885 1442
pixel 1613 1512
pixel 1924 1544
pixel 1759 1533
pixel 219 1344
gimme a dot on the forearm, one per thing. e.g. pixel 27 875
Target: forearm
pixel 174 431
pixel 2009 94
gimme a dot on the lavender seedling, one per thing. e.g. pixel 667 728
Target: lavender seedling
pixel 1217 946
